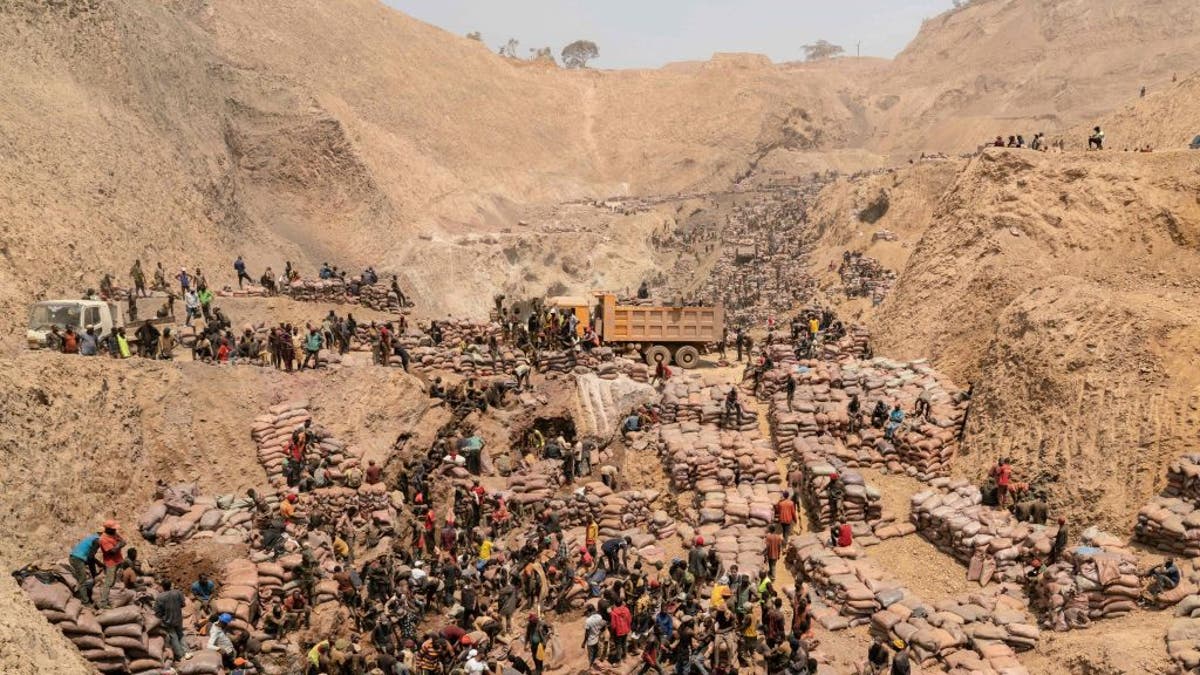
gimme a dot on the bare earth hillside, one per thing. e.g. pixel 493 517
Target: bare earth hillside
pixel 1062 285
pixel 295 129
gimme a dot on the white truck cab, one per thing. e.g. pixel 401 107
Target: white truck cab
pixel 78 314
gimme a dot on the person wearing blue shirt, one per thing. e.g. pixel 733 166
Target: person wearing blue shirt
pixel 895 419
pixel 83 565
pixel 202 590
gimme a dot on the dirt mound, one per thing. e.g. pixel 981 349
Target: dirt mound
pixel 1168 118
pixel 1060 285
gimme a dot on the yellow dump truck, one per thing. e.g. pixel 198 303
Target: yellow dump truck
pixel 675 334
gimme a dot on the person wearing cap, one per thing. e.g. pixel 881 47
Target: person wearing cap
pixel 83 565
pixel 240 666
pixel 110 543
pixel 218 639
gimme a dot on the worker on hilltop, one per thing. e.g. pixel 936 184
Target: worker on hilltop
pixel 139 279
pixel 239 266
pixel 1096 140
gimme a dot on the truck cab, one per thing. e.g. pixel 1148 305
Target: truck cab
pixel 78 314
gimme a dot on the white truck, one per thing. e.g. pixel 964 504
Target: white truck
pixel 80 315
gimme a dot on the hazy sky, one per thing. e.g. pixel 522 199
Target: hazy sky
pixel 649 33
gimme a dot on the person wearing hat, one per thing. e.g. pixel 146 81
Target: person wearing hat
pixel 240 667
pixel 111 543
pixel 218 639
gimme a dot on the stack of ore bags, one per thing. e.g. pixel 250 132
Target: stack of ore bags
pixel 273 431
pixel 732 505
pixel 1088 584
pixel 689 399
pixel 692 452
pixel 1183 478
pixel 181 513
pixel 379 297
pixel 1183 637
pixel 127 638
pixel 975 633
pixel 738 544
pixel 1170 524
pixel 860 502
pixel 921 447
pixel 989 540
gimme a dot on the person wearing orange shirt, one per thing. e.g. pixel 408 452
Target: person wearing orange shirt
pixel 111 544
pixel 785 513
pixel 287 508
pixel 774 548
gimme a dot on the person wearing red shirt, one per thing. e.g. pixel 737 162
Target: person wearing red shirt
pixel 111 544
pixel 223 353
pixel 620 622
pixel 841 536
pixel 1003 480
pixel 785 513
pixel 774 551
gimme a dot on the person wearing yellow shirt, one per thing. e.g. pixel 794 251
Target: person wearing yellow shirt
pixel 720 593
pixel 340 548
pixel 593 533
pixel 485 550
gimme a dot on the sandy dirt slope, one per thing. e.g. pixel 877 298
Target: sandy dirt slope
pixel 1060 284
pixel 293 129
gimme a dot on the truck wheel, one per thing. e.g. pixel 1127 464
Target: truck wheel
pixel 687 357
pixel 653 353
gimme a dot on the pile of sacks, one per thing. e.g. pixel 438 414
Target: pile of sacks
pixel 1170 524
pixel 124 639
pixel 860 502
pixel 273 431
pixel 475 362
pixel 980 632
pixel 1183 478
pixel 744 504
pixel 693 452
pixel 379 297
pixel 990 541
pixel 921 448
pixel 1183 637
pixel 1088 584
pixel 614 512
pixel 739 544
pixel 863 276
pixel 854 585
pixel 689 399
pixel 183 513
